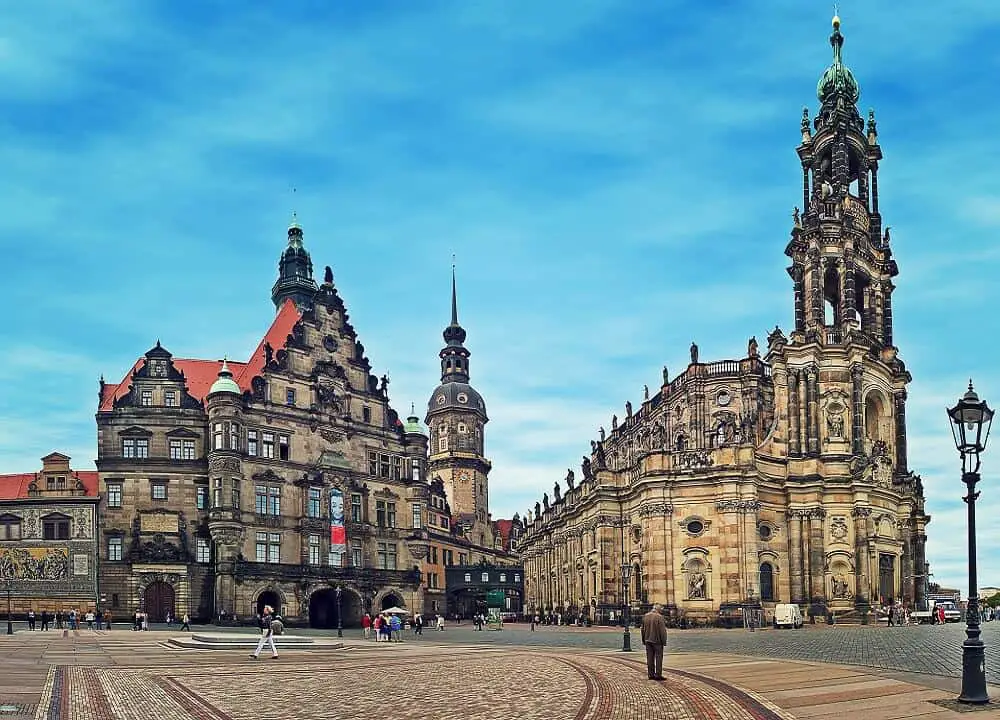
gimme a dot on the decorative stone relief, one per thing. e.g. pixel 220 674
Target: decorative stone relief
pixel 34 563
pixel 733 505
pixel 694 460
pixel 861 511
pixel 838 529
pixel 655 508
pixel 224 464
pixel 696 586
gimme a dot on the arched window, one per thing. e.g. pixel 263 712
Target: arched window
pixel 681 442
pixel 637 574
pixel 877 417
pixel 831 294
pixel 766 582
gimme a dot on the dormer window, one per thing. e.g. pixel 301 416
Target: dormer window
pixel 157 368
pixel 170 398
pixel 146 398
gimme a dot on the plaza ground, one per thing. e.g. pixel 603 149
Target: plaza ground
pixel 558 673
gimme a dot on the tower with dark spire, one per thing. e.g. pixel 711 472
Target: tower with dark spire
pixel 456 416
pixel 295 272
pixel 838 379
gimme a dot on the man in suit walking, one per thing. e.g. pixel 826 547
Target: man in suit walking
pixel 654 637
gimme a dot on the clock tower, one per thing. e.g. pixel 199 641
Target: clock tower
pixel 456 416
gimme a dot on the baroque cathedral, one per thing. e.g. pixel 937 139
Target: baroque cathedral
pixel 289 479
pixel 777 477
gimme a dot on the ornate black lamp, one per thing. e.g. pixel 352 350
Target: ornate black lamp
pixel 626 612
pixel 340 618
pixel 971 419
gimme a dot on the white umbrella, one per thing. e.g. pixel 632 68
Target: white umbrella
pixel 396 611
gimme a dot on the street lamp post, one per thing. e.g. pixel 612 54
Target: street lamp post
pixel 10 585
pixel 340 617
pixel 626 619
pixel 970 424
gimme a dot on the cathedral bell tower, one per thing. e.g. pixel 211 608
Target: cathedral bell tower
pixel 840 387
pixel 456 416
pixel 295 272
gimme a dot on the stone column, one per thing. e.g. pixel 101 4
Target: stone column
pixel 805 190
pixel 874 169
pixel 849 306
pixel 862 599
pixel 920 570
pixel 793 413
pixel 817 561
pixel 795 555
pixel 812 410
pixel 798 276
pixel 887 314
pixel 803 412
pixel 857 410
pixel 816 289
pixel 900 401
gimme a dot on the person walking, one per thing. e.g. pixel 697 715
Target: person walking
pixel 266 634
pixel 418 624
pixel 366 625
pixel 45 619
pixel 654 637
pixel 186 623
pixel 31 619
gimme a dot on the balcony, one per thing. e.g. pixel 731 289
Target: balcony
pixel 358 577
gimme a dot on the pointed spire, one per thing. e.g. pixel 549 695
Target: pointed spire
pixel 454 295
pixel 454 334
pixel 225 382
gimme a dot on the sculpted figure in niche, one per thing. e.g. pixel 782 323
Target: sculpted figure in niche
pixel 585 467
pixel 570 478
pixel 694 354
pixel 835 420
pixel 840 588
pixel 696 586
pixel 752 347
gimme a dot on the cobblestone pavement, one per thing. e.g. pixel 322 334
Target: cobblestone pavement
pixel 397 681
pixel 933 649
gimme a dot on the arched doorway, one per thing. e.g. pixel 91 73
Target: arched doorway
pixel 269 597
pixel 392 600
pixel 323 609
pixel 158 600
pixel 766 582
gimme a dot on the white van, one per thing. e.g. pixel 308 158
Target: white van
pixel 787 616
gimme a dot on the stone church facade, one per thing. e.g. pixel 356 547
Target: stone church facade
pixel 777 477
pixel 284 479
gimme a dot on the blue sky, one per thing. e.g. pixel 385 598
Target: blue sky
pixel 615 178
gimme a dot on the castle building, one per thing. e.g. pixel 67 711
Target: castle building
pixel 279 480
pixel 49 538
pixel 763 480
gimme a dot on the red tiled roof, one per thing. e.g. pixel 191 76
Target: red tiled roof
pixel 16 485
pixel 503 530
pixel 201 374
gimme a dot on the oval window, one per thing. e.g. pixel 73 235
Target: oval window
pixel 764 532
pixel 695 527
pixel 463 398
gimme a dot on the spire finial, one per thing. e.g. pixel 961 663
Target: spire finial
pixel 454 294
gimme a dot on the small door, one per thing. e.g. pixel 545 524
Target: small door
pixel 886 578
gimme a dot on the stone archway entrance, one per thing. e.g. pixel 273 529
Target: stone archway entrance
pixel 269 597
pixel 323 609
pixel 158 600
pixel 391 600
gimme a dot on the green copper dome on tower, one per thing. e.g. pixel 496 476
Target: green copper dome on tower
pixel 838 78
pixel 225 383
pixel 413 424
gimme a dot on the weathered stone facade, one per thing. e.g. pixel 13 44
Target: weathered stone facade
pixel 769 479
pixel 221 481
pixel 48 548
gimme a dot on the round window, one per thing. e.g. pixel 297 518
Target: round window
pixel 463 398
pixel 723 398
pixel 440 399
pixel 330 343
pixel 695 527
pixel 764 532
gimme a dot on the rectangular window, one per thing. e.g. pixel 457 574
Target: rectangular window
pixel 443 439
pixel 313 506
pixel 397 467
pixel 356 552
pixel 503 577
pixel 434 555
pixel 449 559
pixel 486 577
pixel 234 437
pixel 383 466
pixel 114 495
pixel 463 559
pixel 416 517
pixel 444 522
pixel 416 471
pixel 135 448
pixel 387 556
pixel 261 547
pixel 380 513
pixel 260 499
pixel 468 577
pixel 289 396
pixel 267 445
pixel 55 529
pixel 274 500
pixel 284 449
pixel 390 514
pixel 176 453
pixel 146 398
pixel 274 547
pixel 204 550
pixel 372 463
pixel 170 398
pixel 115 545
pixel 314 549
pixel 201 497
pixel 366 414
pixel 218 436
pixel 236 494
pixel 158 491
pixel 434 580
pixel 517 577
pixel 356 508
pixel 252 443
pixel 10 527
pixel 187 452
